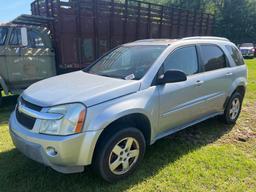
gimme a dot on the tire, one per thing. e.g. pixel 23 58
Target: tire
pixel 233 109
pixel 1 98
pixel 113 149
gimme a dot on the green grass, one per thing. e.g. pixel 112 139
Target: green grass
pixel 210 156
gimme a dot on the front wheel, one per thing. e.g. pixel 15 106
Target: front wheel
pixel 118 155
pixel 1 98
pixel 233 108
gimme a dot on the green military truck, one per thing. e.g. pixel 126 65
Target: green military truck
pixel 62 36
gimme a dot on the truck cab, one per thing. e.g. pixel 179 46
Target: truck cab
pixel 26 56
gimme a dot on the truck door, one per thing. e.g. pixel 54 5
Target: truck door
pixel 40 49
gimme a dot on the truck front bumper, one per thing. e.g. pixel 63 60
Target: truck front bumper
pixel 65 154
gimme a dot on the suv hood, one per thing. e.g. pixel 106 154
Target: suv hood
pixel 78 87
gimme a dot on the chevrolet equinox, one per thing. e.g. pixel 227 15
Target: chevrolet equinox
pixel 106 114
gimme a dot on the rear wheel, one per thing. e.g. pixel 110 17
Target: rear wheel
pixel 118 155
pixel 233 108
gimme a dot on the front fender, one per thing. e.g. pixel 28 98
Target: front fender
pixel 144 102
pixel 3 85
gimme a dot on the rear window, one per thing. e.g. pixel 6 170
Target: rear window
pixel 236 55
pixel 213 57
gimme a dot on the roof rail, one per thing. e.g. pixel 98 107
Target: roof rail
pixel 206 37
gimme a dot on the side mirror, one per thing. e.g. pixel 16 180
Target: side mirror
pixel 172 76
pixel 24 36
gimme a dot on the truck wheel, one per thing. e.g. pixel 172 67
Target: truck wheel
pixel 233 108
pixel 1 98
pixel 118 155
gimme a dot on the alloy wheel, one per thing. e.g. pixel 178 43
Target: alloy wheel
pixel 124 155
pixel 234 109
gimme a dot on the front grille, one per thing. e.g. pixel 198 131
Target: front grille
pixel 246 51
pixel 25 120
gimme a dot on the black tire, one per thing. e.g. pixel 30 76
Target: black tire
pixel 104 153
pixel 1 98
pixel 228 117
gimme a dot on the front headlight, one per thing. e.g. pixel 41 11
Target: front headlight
pixel 71 123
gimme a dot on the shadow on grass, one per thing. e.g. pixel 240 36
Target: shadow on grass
pixel 18 173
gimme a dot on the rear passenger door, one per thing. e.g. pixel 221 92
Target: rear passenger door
pixel 216 77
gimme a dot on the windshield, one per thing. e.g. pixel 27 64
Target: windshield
pixel 3 35
pixel 246 45
pixel 127 62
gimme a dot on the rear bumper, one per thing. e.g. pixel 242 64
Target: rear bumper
pixel 72 152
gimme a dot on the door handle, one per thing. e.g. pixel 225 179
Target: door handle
pixel 199 82
pixel 229 74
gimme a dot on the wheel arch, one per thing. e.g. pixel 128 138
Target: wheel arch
pixel 240 89
pixel 137 120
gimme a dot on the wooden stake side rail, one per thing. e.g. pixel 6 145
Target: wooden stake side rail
pixel 85 29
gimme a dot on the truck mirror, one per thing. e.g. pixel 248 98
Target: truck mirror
pixel 24 36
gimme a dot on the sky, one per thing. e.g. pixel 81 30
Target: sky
pixel 10 9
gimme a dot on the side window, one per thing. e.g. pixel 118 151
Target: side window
pixel 213 57
pixel 35 40
pixel 235 54
pixel 15 38
pixel 184 59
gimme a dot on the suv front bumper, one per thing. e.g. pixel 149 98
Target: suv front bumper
pixel 71 153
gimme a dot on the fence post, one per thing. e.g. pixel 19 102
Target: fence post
pixel 112 9
pixel 161 21
pixel 125 22
pixel 138 21
pixel 95 28
pixel 171 24
pixel 149 21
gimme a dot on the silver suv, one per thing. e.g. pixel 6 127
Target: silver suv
pixel 139 92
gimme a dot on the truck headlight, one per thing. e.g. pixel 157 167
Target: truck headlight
pixel 71 123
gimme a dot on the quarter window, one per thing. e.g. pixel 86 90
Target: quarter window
pixel 236 55
pixel 213 57
pixel 15 37
pixel 183 59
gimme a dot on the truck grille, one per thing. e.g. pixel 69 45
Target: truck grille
pixel 25 120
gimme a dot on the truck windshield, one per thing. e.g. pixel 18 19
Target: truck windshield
pixel 3 35
pixel 127 62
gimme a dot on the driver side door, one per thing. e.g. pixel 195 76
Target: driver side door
pixel 181 102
